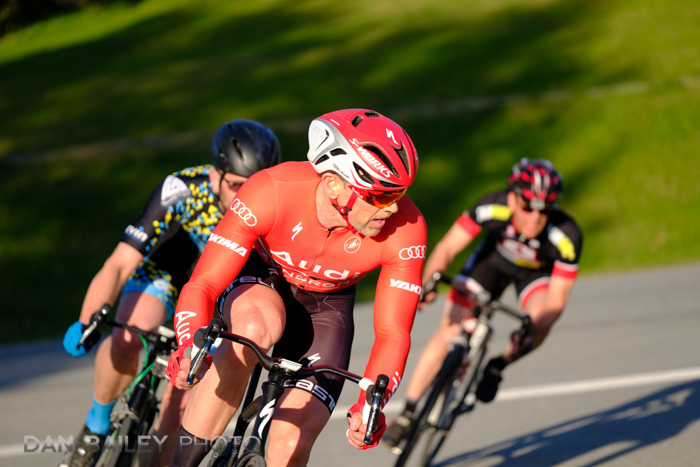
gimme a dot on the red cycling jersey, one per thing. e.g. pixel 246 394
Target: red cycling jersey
pixel 275 211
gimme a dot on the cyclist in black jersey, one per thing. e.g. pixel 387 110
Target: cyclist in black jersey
pixel 151 263
pixel 530 242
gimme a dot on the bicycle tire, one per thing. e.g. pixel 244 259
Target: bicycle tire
pixel 219 455
pixel 421 424
pixel 251 459
pixel 453 404
pixel 118 454
pixel 112 449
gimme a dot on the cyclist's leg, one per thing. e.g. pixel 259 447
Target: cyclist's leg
pixel 299 419
pixel 319 331
pixel 251 307
pixel 163 437
pixel 528 283
pixel 543 307
pixel 456 308
pixel 258 314
pixel 117 358
pixel 146 299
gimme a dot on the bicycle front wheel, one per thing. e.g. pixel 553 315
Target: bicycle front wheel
pixel 122 444
pixel 251 460
pixel 456 399
pixel 431 411
pixel 113 454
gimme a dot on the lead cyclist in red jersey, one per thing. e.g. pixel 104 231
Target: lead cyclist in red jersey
pixel 321 227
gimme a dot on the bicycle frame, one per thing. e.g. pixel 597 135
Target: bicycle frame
pixel 261 410
pixel 136 409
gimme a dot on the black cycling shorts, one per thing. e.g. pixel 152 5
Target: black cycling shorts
pixel 490 270
pixel 319 329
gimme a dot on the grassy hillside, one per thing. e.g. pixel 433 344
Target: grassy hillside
pixel 97 106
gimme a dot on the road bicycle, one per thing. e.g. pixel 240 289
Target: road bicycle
pixel 135 411
pixel 453 391
pixel 259 410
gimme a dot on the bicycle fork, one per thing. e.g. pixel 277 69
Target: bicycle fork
pixel 263 409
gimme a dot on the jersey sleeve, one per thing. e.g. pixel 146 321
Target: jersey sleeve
pixel 396 299
pixel 468 224
pixel 250 216
pixel 490 212
pixel 147 229
pixel 568 241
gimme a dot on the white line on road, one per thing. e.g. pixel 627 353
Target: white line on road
pixel 600 384
pixel 590 385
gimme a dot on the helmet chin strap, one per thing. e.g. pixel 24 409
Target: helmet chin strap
pixel 345 210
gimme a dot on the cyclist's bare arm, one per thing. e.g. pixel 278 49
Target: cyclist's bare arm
pixel 450 245
pixel 544 316
pixel 110 279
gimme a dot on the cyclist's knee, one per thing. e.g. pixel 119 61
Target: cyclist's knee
pixel 259 325
pixel 447 332
pixel 125 343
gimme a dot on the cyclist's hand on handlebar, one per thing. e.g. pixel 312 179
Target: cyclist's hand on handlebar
pixel 358 427
pixel 427 299
pixel 428 293
pixel 72 337
pixel 179 366
pixel 522 340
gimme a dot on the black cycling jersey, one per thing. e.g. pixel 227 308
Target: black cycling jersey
pixel 184 198
pixel 506 256
pixel 560 241
pixel 171 232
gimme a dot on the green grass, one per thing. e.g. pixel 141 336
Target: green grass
pixel 607 90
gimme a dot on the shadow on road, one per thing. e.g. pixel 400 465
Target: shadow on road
pixel 598 438
pixel 28 361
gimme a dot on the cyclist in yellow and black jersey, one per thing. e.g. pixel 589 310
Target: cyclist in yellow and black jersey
pixel 153 261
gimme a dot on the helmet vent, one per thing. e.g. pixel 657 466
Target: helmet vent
pixel 237 145
pixel 318 136
pixel 357 120
pixel 371 114
pixel 401 152
pixel 362 174
pixel 338 152
pixel 382 157
pixel 389 184
pixel 322 159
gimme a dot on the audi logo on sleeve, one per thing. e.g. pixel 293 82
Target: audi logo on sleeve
pixel 413 252
pixel 243 212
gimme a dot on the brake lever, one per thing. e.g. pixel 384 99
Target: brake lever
pixel 375 407
pixel 95 320
pixel 202 342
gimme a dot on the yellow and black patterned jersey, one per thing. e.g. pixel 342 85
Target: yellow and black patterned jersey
pixel 183 200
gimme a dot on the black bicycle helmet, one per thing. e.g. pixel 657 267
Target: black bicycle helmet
pixel 243 147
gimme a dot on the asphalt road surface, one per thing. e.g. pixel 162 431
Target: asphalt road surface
pixel 617 383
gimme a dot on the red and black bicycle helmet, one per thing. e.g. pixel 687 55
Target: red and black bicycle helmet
pixel 537 181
